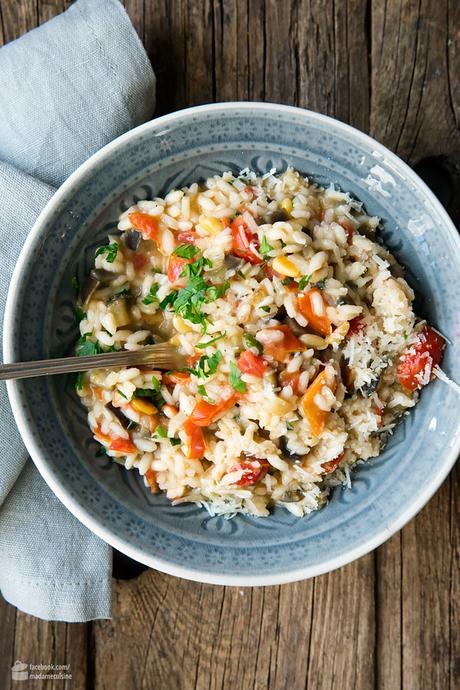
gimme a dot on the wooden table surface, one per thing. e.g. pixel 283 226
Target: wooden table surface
pixel 390 620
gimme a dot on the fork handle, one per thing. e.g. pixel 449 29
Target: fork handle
pixel 159 356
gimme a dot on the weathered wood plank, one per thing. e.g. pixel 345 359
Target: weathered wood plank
pixel 7 627
pixel 47 9
pixel 18 17
pixel 415 111
pixel 43 642
pixel 389 615
pixel 343 628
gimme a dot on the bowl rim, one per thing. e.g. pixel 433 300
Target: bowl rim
pixel 159 563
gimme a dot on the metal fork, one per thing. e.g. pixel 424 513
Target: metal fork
pixel 159 356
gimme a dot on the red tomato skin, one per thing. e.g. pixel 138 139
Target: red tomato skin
pixel 122 445
pixel 241 239
pixel 332 464
pixel 251 475
pixel 356 326
pixel 145 223
pixel 175 267
pixel 196 445
pixel 251 364
pixel 186 237
pixel 426 352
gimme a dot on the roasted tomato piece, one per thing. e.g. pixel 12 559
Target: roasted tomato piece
pixel 195 440
pixel 242 238
pixel 415 367
pixel 313 306
pixel 251 364
pixel 175 267
pixel 145 223
pixel 316 416
pixel 122 445
pixel 356 325
pixel 254 470
pixel 204 413
pixel 279 348
pixel 332 464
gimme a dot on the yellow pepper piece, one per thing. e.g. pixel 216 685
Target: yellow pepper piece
pixel 281 264
pixel 286 205
pixel 143 406
pixel 211 225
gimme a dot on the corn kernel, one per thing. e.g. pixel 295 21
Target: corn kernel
pixel 286 205
pixel 144 406
pixel 211 225
pixel 180 325
pixel 283 265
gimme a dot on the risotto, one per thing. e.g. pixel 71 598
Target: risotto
pixel 303 348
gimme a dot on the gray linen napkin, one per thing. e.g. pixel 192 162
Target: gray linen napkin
pixel 66 89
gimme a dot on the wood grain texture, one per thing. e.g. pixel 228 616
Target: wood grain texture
pixel 390 621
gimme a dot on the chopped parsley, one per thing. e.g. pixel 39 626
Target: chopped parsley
pixel 79 381
pixel 119 292
pixel 235 379
pixel 87 348
pixel 110 249
pixel 289 426
pixel 206 366
pixel 155 383
pixel 288 281
pixel 267 309
pixel 195 268
pixel 201 346
pixel 79 314
pixel 265 247
pixel 186 251
pixel 202 391
pixel 122 394
pixel 303 282
pixel 174 441
pixel 157 399
pixel 251 341
pixel 152 295
pixel 161 431
pixel 187 301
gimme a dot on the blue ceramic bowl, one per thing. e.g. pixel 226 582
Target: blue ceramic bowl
pixel 173 151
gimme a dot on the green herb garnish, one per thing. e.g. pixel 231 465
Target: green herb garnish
pixel 202 391
pixel 267 309
pixel 110 249
pixel 289 426
pixel 235 379
pixel 79 380
pixel 251 341
pixel 287 281
pixel 174 441
pixel 303 282
pixel 265 247
pixel 122 394
pixel 196 268
pixel 157 399
pixel 186 251
pixel 74 282
pixel 201 346
pixel 86 347
pixel 155 383
pixel 152 295
pixel 161 431
pixel 206 365
pixel 79 314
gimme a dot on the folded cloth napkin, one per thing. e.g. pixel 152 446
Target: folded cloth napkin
pixel 66 89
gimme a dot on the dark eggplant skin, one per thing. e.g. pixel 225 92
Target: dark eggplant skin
pixel 132 239
pixel 286 453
